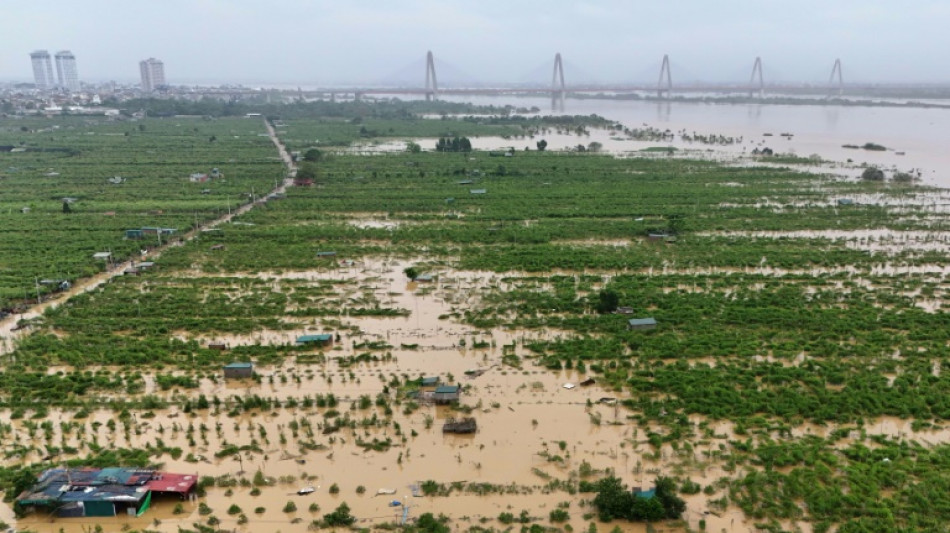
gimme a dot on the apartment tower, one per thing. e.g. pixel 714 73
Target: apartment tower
pixel 42 69
pixel 66 71
pixel 153 74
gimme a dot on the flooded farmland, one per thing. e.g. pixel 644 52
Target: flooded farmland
pixel 734 329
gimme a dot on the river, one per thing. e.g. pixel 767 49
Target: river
pixel 922 135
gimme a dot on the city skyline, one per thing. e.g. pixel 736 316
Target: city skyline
pixel 322 43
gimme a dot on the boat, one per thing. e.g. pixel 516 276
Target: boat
pixel 306 490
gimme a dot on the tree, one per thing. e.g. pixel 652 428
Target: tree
pixel 612 500
pixel 607 301
pixel 412 273
pixel 872 174
pixel 542 144
pixel 413 147
pixel 312 155
pixel 595 147
pixel 673 505
pixel 66 208
pixel 307 171
pixel 339 517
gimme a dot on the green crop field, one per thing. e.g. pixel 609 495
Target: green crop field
pixel 75 157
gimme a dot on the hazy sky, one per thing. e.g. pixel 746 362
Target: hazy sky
pixel 317 42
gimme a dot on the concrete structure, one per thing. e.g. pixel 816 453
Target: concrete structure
pixel 238 370
pixel 152 72
pixel 42 69
pixel 66 71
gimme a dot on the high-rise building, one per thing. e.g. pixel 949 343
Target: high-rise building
pixel 42 69
pixel 153 74
pixel 66 70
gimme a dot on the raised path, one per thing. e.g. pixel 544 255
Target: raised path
pixel 8 332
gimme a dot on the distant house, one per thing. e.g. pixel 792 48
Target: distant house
pixel 624 310
pixel 326 253
pixel 447 394
pixel 430 382
pixel 198 177
pixel 238 370
pixel 323 339
pixel 478 191
pixel 845 201
pixel 641 323
pixel 134 234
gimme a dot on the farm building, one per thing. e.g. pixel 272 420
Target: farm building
pixel 845 201
pixel 478 191
pixel 624 310
pixel 198 177
pixel 95 492
pixel 430 382
pixel 641 323
pixel 463 425
pixel 238 370
pixel 134 234
pixel 447 394
pixel 328 253
pixel 323 339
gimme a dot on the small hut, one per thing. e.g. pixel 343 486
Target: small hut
pixel 323 339
pixel 445 394
pixel 641 323
pixel 239 370
pixel 461 425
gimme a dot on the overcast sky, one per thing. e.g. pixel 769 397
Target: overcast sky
pixel 317 42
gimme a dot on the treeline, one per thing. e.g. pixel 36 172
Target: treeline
pixel 215 107
pixel 454 144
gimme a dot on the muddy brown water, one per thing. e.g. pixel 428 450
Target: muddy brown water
pixel 531 428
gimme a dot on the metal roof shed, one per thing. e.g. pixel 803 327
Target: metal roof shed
pixel 447 394
pixel 323 339
pixel 641 323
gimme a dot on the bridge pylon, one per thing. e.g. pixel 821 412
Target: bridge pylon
pixel 756 73
pixel 662 87
pixel 832 89
pixel 557 84
pixel 432 85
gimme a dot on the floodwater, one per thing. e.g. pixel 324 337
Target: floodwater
pixel 920 134
pixel 532 430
